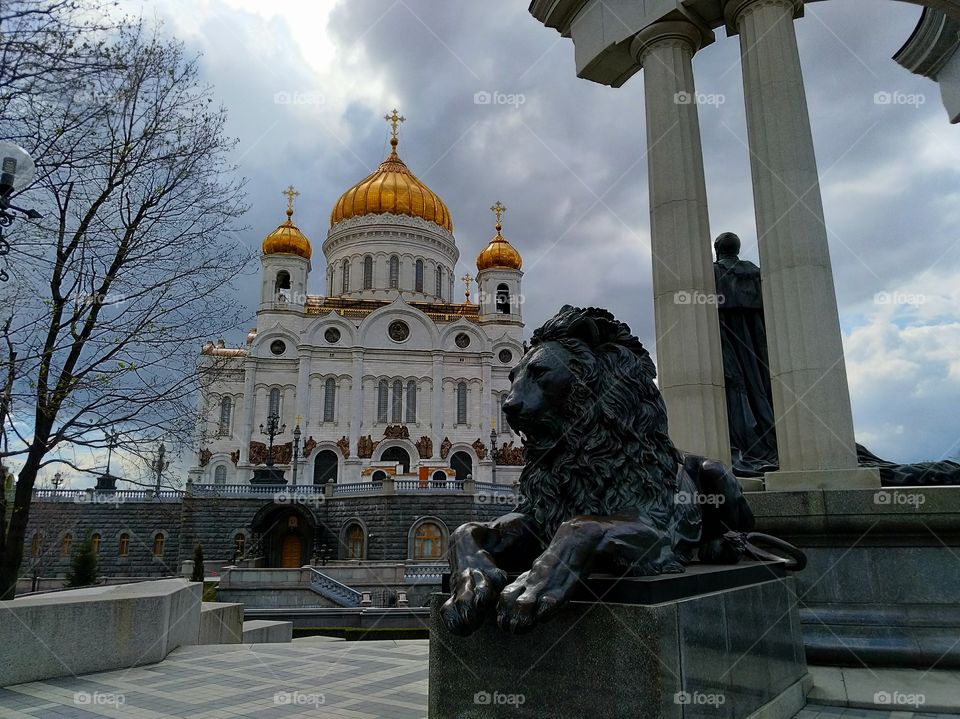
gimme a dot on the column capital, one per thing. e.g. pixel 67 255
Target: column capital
pixel 684 32
pixel 733 9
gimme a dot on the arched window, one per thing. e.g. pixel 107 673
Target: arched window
pixel 396 413
pixel 329 399
pixel 158 541
pixel 439 281
pixel 418 276
pixel 281 289
pixel 226 409
pixel 67 545
pixel 36 544
pixel 95 542
pixel 367 272
pixel 382 401
pixel 428 542
pixel 394 272
pixel 330 281
pixel 353 546
pixel 239 544
pixel 461 403
pixel 379 475
pixel 503 299
pixel 462 464
pixel 439 477
pixel 450 287
pixel 274 405
pixel 411 402
pixel 325 467
pixel 220 475
pixel 124 548
pixel 397 455
pixel 345 280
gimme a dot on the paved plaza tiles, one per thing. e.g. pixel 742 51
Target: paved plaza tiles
pixel 312 677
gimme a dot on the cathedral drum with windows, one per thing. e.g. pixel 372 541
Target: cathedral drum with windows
pixel 387 373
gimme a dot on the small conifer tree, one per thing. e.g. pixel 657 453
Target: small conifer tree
pixel 197 575
pixel 84 568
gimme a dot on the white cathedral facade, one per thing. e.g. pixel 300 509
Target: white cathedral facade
pixel 386 374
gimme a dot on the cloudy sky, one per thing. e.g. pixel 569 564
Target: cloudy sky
pixel 308 82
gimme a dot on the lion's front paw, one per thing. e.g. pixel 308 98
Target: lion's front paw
pixel 473 592
pixel 526 602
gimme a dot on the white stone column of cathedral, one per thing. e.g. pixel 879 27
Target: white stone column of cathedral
pixel 436 398
pixel 249 405
pixel 303 391
pixel 811 398
pixel 356 401
pixel 689 360
pixel 486 403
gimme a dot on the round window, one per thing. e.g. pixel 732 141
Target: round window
pixel 506 356
pixel 278 347
pixel 398 330
pixel 462 340
pixel 332 335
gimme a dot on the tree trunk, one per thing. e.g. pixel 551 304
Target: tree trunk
pixel 12 553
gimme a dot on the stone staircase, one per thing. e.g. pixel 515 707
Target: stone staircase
pixel 339 594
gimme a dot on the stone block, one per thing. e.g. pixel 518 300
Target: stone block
pixel 265 631
pixel 792 481
pixel 96 629
pixel 729 653
pixel 221 623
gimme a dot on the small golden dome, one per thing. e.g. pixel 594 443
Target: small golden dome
pixel 499 254
pixel 287 238
pixel 392 188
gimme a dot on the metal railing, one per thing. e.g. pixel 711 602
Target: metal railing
pixel 252 490
pixel 357 488
pixel 328 587
pixel 119 496
pixel 424 573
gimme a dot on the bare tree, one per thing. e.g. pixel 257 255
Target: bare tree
pixel 40 40
pixel 114 290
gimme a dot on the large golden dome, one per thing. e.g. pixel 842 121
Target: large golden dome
pixel 392 188
pixel 287 238
pixel 499 254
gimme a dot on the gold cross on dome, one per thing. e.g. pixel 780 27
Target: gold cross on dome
pixel 498 209
pixel 290 192
pixel 467 279
pixel 394 119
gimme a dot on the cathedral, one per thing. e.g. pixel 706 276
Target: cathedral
pixel 385 374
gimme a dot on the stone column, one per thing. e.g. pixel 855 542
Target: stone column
pixel 436 400
pixel 808 375
pixel 486 398
pixel 249 407
pixel 356 401
pixel 303 391
pixel 689 360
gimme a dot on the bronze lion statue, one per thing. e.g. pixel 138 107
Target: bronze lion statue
pixel 602 489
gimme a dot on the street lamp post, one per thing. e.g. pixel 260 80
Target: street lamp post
pixel 493 451
pixel 57 480
pixel 159 466
pixel 272 429
pixel 16 171
pixel 296 449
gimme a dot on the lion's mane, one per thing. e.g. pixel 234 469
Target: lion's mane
pixel 614 454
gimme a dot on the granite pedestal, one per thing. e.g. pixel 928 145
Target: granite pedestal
pixel 728 652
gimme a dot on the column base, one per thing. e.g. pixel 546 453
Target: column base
pixel 856 478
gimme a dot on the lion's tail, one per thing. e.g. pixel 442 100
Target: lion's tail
pixel 796 560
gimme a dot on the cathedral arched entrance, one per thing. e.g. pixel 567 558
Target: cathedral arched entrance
pixel 397 455
pixel 462 464
pixel 286 533
pixel 325 467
